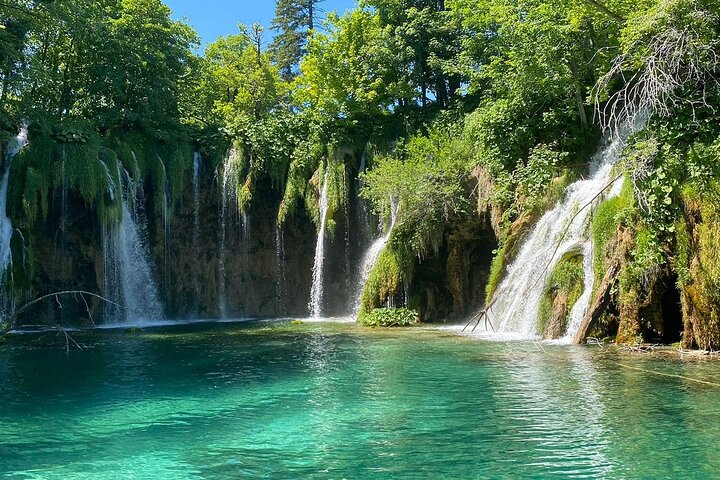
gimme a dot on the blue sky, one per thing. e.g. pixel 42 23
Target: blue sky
pixel 213 18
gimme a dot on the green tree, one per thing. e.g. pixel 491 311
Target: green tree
pixel 294 23
pixel 239 80
pixel 425 36
pixel 351 72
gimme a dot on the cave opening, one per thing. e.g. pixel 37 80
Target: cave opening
pixel 672 313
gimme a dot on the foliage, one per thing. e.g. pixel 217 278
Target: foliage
pixel 426 177
pixel 390 317
pixel 348 72
pixel 294 22
pixel 386 278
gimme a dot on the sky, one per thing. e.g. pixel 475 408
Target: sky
pixel 213 18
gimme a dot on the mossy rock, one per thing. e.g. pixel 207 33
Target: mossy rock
pixel 563 289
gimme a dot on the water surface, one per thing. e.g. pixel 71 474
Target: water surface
pixel 276 400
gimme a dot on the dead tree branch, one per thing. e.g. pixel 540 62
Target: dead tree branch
pixel 675 60
pixel 11 322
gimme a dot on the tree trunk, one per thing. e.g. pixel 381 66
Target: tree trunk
pixel 581 107
pixel 599 305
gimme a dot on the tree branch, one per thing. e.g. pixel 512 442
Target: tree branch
pixel 11 321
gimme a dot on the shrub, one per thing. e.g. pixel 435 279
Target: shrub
pixel 390 317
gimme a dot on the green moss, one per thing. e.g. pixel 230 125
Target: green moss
pixel 386 278
pixel 683 253
pixel 702 291
pixel 337 192
pixel 605 221
pixel 497 271
pixel 563 289
pixel 389 317
pixel 178 159
pixel 303 178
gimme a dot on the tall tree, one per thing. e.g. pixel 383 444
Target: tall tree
pixel 426 36
pixel 294 21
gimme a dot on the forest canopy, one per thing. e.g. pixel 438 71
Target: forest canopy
pixel 448 108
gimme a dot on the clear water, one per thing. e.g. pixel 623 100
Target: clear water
pixel 275 400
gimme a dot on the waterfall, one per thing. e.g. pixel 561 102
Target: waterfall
pixel 197 161
pixel 166 199
pixel 316 292
pixel 247 266
pixel 6 229
pixel 166 219
pixel 128 278
pixel 280 273
pixel 371 257
pixel 228 200
pixel 562 230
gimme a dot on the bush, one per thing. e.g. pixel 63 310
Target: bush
pixel 390 317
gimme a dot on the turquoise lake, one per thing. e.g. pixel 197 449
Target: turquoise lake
pixel 277 400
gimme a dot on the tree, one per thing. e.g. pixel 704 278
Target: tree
pixel 352 71
pixel 426 36
pixel 294 21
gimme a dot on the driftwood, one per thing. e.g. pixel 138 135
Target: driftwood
pixel 478 317
pixel 11 322
pixel 603 297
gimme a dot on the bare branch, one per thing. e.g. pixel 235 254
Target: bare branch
pixel 675 60
pixel 11 321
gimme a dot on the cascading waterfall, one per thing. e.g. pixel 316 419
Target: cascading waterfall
pixel 228 201
pixel 165 218
pixel 316 292
pixel 197 162
pixel 129 279
pixel 562 230
pixel 249 291
pixel 280 273
pixel 372 255
pixel 6 229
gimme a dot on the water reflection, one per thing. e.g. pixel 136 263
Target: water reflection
pixel 317 401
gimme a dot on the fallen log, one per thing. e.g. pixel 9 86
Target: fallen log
pixel 603 296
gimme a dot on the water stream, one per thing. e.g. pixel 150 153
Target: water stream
pixel 6 228
pixel 129 280
pixel 562 230
pixel 280 269
pixel 165 219
pixel 197 162
pixel 316 292
pixel 371 257
pixel 228 203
